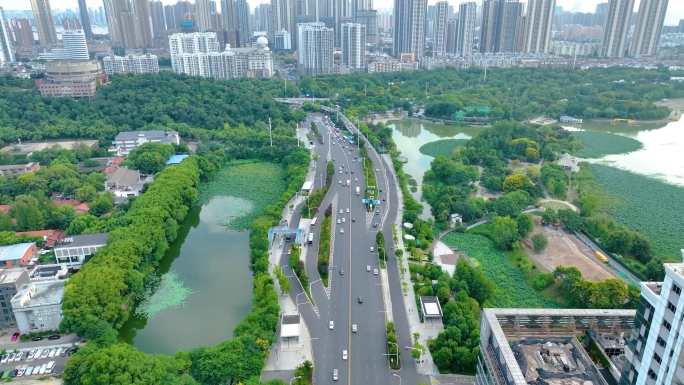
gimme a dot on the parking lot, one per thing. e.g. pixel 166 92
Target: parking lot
pixel 31 361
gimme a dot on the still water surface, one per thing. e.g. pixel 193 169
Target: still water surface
pixel 206 289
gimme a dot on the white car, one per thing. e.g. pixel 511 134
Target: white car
pixel 372 249
pixel 31 354
pixel 344 354
pixel 339 221
pixel 46 352
pixel 347 210
pixel 341 211
pixel 4 359
pixel 355 328
pixel 331 325
pixel 344 220
pixel 335 375
pixel 368 268
pixel 342 230
pixel 50 367
pixel 19 356
pixel 52 353
pixel 375 271
pixel 28 371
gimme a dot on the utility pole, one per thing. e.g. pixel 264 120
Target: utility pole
pixel 270 131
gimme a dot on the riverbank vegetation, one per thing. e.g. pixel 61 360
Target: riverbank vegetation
pixel 599 144
pixel 100 298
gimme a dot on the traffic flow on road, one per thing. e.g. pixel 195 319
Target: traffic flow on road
pixel 348 317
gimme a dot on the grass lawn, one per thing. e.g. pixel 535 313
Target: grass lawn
pixel 261 183
pixel 645 204
pixel 441 147
pixel 599 144
pixel 512 287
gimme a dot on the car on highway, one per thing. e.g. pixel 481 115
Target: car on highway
pixel 359 300
pixel 375 271
pixel 344 354
pixel 331 325
pixel 342 230
pixel 339 221
pixel 353 219
pixel 335 375
pixel 341 271
pixel 377 212
pixel 347 210
pixel 368 268
pixel 355 328
pixel 341 211
pixel 375 225
pixel 372 249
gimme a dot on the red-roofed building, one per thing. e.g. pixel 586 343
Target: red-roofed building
pixel 79 207
pixel 5 209
pixel 114 164
pixel 50 237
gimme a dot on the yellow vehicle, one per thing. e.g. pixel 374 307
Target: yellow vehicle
pixel 601 256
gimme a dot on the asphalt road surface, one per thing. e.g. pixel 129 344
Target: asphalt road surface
pixel 349 279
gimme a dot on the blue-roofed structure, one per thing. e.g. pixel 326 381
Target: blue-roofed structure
pixel 19 253
pixel 176 159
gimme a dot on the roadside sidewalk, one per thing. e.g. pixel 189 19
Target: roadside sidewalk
pixel 286 357
pixel 426 332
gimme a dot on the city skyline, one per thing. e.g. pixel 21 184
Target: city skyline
pixel 672 16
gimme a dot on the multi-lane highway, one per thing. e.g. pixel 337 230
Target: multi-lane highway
pixel 354 295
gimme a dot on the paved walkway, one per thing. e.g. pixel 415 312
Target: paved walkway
pixel 286 357
pixel 425 331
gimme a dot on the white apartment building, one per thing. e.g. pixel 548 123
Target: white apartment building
pixel 197 54
pixel 37 306
pixel 353 43
pixel 655 354
pixel 134 64
pixel 315 48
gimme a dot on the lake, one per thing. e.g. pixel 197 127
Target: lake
pixel 206 287
pixel 661 155
pixel 410 134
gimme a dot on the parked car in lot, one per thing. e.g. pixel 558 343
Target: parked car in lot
pixel 50 367
pixel 15 336
pixel 37 338
pixel 54 337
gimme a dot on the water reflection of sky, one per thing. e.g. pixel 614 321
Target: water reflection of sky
pixel 409 135
pixel 662 154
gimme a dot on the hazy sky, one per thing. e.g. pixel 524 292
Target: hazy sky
pixel 675 10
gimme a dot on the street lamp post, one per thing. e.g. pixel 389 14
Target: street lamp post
pixel 397 353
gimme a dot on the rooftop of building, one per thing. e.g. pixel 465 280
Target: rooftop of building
pixel 10 275
pixel 150 134
pixel 84 240
pixel 39 294
pixel 123 176
pixel 555 361
pixel 14 252
pixel 176 159
pixel 541 346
